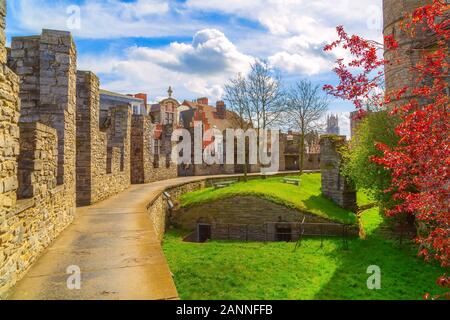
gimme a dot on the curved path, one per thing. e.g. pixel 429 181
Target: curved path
pixel 114 245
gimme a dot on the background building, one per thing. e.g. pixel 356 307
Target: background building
pixel 333 124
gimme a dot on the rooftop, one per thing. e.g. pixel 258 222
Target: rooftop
pixel 119 95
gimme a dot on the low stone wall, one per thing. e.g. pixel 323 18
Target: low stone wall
pixel 158 209
pixel 229 217
pixel 244 210
pixel 250 218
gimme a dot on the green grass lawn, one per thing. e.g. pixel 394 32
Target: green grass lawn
pixel 234 270
pixel 308 197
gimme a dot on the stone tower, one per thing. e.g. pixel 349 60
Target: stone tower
pixel 398 73
pixel 333 125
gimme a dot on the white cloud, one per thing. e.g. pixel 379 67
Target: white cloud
pixel 103 18
pixel 287 17
pixel 297 30
pixel 300 63
pixel 200 67
pixel 289 33
pixel 209 53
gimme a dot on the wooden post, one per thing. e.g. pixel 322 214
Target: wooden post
pixel 321 236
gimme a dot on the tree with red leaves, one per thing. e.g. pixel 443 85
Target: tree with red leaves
pixel 420 162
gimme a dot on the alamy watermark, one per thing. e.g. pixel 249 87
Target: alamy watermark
pixel 213 147
pixel 74 280
pixel 374 281
pixel 73 17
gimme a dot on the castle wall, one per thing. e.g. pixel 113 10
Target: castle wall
pixel 9 150
pixel 46 65
pixel 103 157
pixel 334 185
pixel 162 167
pixel 398 71
pixel 37 157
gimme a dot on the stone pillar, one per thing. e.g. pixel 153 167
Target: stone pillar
pixel 119 136
pixel 141 144
pixel 88 113
pixel 46 65
pixel 334 185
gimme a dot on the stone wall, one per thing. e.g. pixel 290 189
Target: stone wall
pixel 244 210
pixel 41 212
pixel 9 150
pixel 44 156
pixel 163 167
pixel 334 185
pixel 249 218
pixel 46 65
pixel 159 211
pixel 37 161
pixel 102 155
pixel 9 130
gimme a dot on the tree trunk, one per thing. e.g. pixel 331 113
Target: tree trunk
pixel 245 171
pixel 302 153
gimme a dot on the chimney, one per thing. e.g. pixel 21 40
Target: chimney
pixel 221 109
pixel 142 96
pixel 203 101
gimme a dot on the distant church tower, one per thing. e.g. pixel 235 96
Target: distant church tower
pixel 333 125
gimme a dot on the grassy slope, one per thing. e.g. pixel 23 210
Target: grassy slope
pixel 231 270
pixel 307 197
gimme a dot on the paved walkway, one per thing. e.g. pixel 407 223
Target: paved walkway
pixel 114 245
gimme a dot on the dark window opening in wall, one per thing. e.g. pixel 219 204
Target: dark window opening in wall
pixel 168 160
pixel 156 161
pixel 204 232
pixel 283 233
pixel 109 160
pixel 156 147
pixel 122 160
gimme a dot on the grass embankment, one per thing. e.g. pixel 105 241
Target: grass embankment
pixel 232 270
pixel 306 197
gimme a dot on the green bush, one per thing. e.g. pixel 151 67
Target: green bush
pixel 375 128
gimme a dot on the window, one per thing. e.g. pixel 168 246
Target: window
pixel 169 118
pixel 136 110
pixel 156 147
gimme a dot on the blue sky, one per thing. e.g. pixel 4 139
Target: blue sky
pixel 197 45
